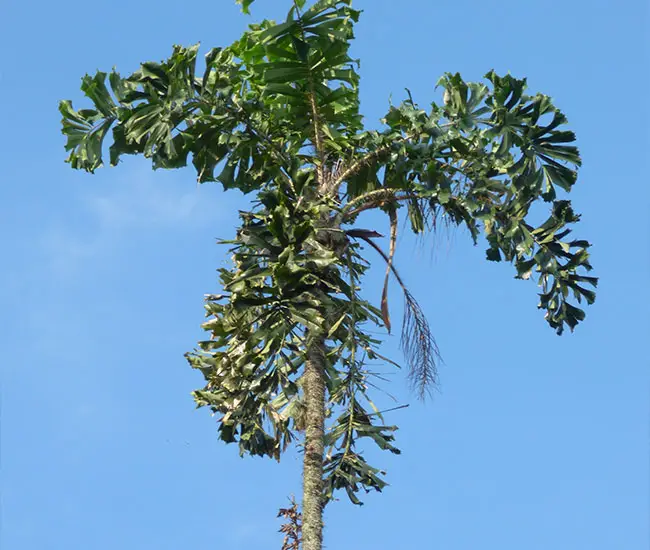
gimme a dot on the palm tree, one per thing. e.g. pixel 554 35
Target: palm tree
pixel 277 113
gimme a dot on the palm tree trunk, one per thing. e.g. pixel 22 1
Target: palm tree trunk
pixel 314 391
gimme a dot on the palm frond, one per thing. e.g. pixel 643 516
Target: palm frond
pixel 417 342
pixel 419 347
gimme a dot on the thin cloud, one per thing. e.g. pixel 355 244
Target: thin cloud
pixel 137 201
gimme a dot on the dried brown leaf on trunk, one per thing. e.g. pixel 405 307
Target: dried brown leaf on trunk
pixel 292 529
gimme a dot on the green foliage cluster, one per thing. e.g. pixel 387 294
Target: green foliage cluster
pixel 288 285
pixel 277 114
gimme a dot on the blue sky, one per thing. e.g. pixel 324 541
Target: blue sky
pixel 534 441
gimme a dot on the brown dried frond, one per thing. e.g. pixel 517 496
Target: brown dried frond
pixel 417 341
pixel 292 529
pixel 419 347
pixel 389 265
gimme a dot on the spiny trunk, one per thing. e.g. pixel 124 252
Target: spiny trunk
pixel 314 391
pixel 314 394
